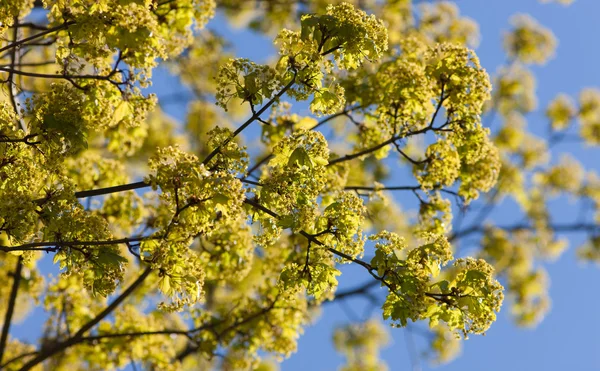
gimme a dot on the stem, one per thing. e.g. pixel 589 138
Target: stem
pixel 254 117
pixel 11 85
pixel 579 227
pixel 336 115
pixel 36 36
pixel 363 152
pixel 312 238
pixel 108 190
pixel 258 164
pixel 190 349
pixel 54 76
pixel 398 188
pixel 360 290
pixel 133 334
pixel 11 307
pixel 55 245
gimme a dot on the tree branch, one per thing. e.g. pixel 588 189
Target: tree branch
pixel 254 117
pixel 444 298
pixel 16 358
pixel 27 139
pixel 255 167
pixel 393 139
pixel 11 84
pixel 336 115
pixel 363 152
pixel 396 188
pixel 52 246
pixel 407 157
pixel 363 289
pixel 18 43
pixel 58 76
pixel 109 190
pixel 12 299
pixel 478 229
pixel 133 334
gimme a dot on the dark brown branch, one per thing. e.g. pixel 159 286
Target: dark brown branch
pixel 11 84
pixel 28 139
pixel 363 152
pixel 15 359
pixel 254 117
pixel 439 106
pixel 18 43
pixel 52 246
pixel 60 76
pixel 142 184
pixel 479 229
pixel 393 139
pixel 313 239
pixel 336 115
pixel 33 26
pixel 444 298
pixel 30 64
pixel 407 157
pixel 258 164
pixel 331 50
pixel 12 299
pixel 398 188
pixel 258 117
pixel 363 289
pixel 134 334
pixel 108 190
pixel 260 207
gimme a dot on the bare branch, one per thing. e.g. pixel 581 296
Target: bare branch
pixel 12 299
pixel 18 43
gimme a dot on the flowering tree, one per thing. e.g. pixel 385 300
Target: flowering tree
pixel 224 250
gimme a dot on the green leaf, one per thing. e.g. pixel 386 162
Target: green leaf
pixel 300 157
pixel 308 24
pixel 123 110
pixel 220 198
pixel 443 285
pixel 434 268
pixel 287 221
pixel 250 83
pixel 110 258
pixel 58 257
pixel 475 275
pixel 164 285
pixel 333 207
pixel 324 101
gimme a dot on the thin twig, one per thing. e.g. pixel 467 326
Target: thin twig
pixel 12 299
pixel 254 117
pixel 18 43
pixel 52 246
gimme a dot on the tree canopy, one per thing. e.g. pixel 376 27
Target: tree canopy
pixel 213 241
